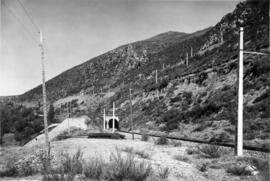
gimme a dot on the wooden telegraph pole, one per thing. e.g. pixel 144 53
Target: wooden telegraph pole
pixel 47 144
pixel 131 114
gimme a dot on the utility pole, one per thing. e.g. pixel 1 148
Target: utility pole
pixel 47 144
pixel 104 120
pixel 131 114
pixel 187 58
pixel 239 149
pixel 156 82
pixel 191 52
pixel 113 116
pixel 156 77
pixel 221 34
pixel 239 125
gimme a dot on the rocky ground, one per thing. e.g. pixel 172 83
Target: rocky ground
pixel 183 164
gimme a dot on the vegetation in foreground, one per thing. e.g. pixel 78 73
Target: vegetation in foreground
pixel 68 167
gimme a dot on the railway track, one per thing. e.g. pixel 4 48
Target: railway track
pixel 246 147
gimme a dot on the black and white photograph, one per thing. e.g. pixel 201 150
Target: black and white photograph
pixel 134 90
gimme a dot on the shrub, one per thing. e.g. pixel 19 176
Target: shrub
pixel 72 164
pixel 187 95
pixel 176 99
pixel 181 158
pixel 203 167
pixel 93 169
pixel 51 114
pixel 10 171
pixel 202 76
pixel 63 135
pixel 144 137
pixel 140 153
pixel 176 143
pixel 191 151
pixel 172 119
pixel 127 168
pixel 163 173
pixel 106 135
pixel 238 169
pixel 162 140
pixel 27 169
pixel 128 149
pixel 210 151
pixel 264 95
pixel 45 161
pixel 203 126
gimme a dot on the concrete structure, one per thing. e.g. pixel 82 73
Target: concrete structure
pixel 110 122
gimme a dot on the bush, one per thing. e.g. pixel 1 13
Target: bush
pixel 162 140
pixel 181 158
pixel 144 137
pixel 203 167
pixel 264 95
pixel 10 171
pixel 140 153
pixel 127 168
pixel 93 169
pixel 63 135
pixel 210 151
pixel 203 126
pixel 171 118
pixel 176 99
pixel 163 173
pixel 72 164
pixel 27 169
pixel 176 143
pixel 106 135
pixel 192 151
pixel 239 170
pixel 51 114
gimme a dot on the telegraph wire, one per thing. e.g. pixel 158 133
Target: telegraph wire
pixel 28 15
pixel 18 19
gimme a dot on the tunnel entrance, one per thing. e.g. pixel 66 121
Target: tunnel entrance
pixel 116 124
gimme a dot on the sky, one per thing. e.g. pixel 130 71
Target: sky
pixel 78 30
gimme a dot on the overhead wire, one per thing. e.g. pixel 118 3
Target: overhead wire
pixel 28 15
pixel 22 24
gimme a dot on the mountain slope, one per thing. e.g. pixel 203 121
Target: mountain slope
pixel 196 100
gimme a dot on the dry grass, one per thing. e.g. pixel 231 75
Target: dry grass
pixel 211 151
pixel 93 169
pixel 239 170
pixel 127 168
pixel 162 140
pixel 181 158
pixel 176 143
pixel 163 173
pixel 203 167
pixel 140 153
pixel 144 137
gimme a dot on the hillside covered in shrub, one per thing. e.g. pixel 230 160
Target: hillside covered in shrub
pixel 195 99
